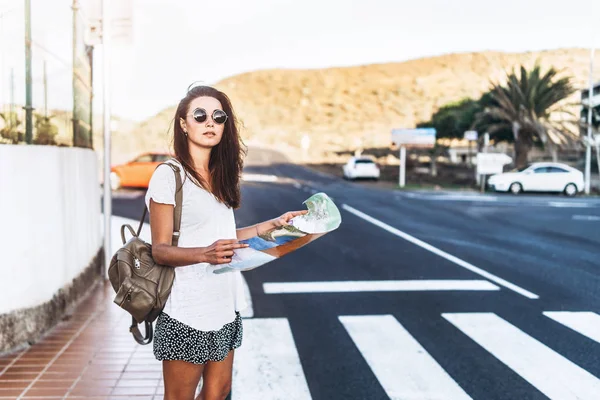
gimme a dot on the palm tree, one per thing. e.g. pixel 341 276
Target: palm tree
pixel 46 131
pixel 531 104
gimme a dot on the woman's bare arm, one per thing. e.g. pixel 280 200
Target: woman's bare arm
pixel 161 227
pixel 254 230
pixel 260 228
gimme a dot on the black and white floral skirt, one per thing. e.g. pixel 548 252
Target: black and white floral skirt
pixel 174 340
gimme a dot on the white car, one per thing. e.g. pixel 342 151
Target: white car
pixel 539 177
pixel 361 167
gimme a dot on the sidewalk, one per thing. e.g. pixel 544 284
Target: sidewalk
pixel 90 355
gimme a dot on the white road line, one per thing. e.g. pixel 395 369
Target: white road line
pixel 259 178
pixel 586 217
pixel 402 366
pixel 495 199
pixel 297 185
pixel 567 204
pixel 267 366
pixel 441 253
pixel 411 195
pixel 458 197
pixel 376 286
pixel 551 373
pixel 586 323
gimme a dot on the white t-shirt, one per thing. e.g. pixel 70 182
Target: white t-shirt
pixel 199 298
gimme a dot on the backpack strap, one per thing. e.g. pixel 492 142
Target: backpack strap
pixel 137 335
pixel 178 204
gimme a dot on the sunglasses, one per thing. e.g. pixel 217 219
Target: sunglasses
pixel 200 115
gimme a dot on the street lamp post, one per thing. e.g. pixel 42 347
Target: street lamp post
pixel 590 110
pixel 107 146
pixel 28 93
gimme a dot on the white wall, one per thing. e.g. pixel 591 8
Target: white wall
pixel 49 225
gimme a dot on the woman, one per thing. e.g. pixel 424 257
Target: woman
pixel 200 326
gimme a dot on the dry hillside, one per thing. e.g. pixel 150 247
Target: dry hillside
pixel 343 108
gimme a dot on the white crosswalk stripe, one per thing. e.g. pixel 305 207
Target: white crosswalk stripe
pixel 402 366
pixel 378 286
pixel 551 373
pixel 586 323
pixel 267 366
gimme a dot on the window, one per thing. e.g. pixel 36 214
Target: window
pixel 556 169
pixel 541 170
pixel 364 161
pixel 144 158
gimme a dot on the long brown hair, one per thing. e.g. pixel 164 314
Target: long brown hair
pixel 226 158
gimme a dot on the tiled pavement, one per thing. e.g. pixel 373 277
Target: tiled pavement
pixel 91 355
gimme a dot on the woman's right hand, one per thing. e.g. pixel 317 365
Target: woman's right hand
pixel 221 251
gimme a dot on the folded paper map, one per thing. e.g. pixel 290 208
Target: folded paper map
pixel 322 217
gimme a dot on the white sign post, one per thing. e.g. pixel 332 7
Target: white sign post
pixel 471 136
pixel 590 110
pixel 413 138
pixel 402 176
pixel 481 178
pixel 597 142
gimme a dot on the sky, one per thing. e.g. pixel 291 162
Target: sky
pixel 176 42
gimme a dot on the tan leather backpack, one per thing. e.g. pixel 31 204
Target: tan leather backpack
pixel 142 285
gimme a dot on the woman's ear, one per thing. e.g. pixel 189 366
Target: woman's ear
pixel 182 124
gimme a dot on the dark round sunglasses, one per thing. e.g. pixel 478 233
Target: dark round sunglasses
pixel 200 115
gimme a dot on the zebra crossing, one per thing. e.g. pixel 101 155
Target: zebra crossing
pixel 268 365
pixel 273 363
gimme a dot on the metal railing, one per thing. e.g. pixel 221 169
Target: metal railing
pixel 46 72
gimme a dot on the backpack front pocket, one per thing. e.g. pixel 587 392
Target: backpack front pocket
pixel 135 300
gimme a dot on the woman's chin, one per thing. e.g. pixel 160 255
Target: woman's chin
pixel 206 142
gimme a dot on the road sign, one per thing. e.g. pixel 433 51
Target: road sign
pixel 411 138
pixel 491 163
pixel 585 96
pixel 471 135
pixel 419 137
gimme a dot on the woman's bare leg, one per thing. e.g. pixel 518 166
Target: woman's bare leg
pixel 181 379
pixel 216 383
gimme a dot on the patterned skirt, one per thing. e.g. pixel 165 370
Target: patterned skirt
pixel 174 340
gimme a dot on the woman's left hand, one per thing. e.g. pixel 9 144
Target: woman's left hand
pixel 285 218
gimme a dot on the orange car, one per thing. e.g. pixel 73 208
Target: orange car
pixel 136 173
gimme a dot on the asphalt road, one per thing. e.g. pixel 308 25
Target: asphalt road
pixel 491 297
